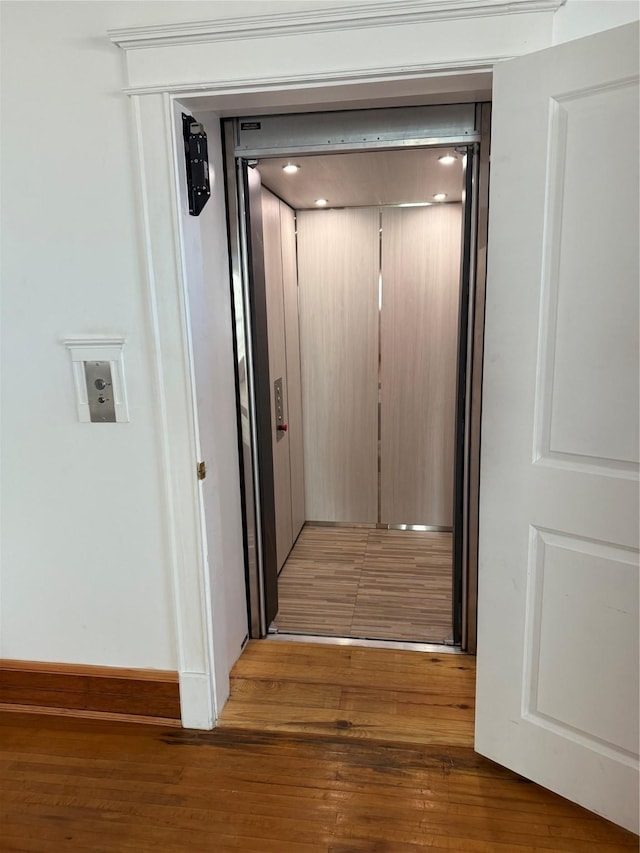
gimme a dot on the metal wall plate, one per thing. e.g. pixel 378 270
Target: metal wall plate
pixel 354 129
pixel 100 391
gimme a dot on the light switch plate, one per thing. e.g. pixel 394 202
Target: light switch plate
pixel 102 356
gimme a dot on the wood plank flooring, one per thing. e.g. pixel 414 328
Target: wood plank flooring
pixel 368 583
pixel 99 787
pixel 374 694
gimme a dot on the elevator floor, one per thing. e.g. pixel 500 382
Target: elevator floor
pixel 368 583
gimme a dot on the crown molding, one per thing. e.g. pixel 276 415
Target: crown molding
pixel 238 85
pixel 94 342
pixel 347 17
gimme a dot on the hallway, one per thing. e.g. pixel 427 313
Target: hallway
pixel 368 583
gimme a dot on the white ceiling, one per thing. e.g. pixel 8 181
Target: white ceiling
pixel 363 179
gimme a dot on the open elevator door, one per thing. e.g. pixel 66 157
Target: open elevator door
pixel 249 139
pixel 244 201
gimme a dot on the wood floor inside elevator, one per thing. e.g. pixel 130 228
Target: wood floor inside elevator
pixel 368 583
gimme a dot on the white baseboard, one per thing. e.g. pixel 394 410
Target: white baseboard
pixel 196 701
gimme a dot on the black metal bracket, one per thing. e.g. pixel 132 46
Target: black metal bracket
pixel 197 160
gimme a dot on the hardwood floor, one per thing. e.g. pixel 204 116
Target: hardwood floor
pixel 369 583
pixel 334 778
pixel 373 694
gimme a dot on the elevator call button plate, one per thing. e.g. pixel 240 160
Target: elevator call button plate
pixel 100 391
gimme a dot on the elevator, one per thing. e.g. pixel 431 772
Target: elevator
pixel 358 297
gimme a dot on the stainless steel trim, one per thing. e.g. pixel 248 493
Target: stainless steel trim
pixel 428 528
pixel 343 148
pixel 368 524
pixel 383 206
pixel 348 130
pixel 379 407
pixel 241 315
pixel 396 645
pixel 100 393
pixel 473 248
pixel 242 213
pixel 470 611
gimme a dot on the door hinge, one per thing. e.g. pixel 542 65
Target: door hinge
pixel 202 470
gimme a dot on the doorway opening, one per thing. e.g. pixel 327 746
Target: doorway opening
pixel 354 244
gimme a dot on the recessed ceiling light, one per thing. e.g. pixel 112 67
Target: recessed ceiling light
pixel 291 168
pixel 440 196
pixel 447 159
pixel 322 202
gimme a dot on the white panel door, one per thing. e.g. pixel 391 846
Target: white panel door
pixel 557 690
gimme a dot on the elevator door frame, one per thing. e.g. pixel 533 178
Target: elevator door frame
pixel 244 217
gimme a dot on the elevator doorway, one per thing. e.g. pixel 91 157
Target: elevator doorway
pixel 354 269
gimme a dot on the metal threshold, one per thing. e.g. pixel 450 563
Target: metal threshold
pixel 397 645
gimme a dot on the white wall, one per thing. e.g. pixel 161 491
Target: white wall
pixel 84 553
pixel 578 18
pixel 85 573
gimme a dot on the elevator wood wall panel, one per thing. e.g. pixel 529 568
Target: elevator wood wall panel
pixel 277 369
pixel 338 269
pixel 294 383
pixel 421 249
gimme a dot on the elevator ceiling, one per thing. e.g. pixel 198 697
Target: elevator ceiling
pixel 364 179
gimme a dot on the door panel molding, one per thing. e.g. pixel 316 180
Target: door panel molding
pixel 571 426
pixel 555 559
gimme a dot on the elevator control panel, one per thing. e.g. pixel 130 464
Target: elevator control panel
pixel 278 396
pixel 100 391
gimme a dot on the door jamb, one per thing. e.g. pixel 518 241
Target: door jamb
pixel 256 459
pixel 172 357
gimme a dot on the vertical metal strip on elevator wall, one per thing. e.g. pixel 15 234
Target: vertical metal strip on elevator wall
pixel 257 581
pixel 460 538
pixel 255 288
pixel 468 378
pixel 461 468
pixel 380 370
pixel 470 591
